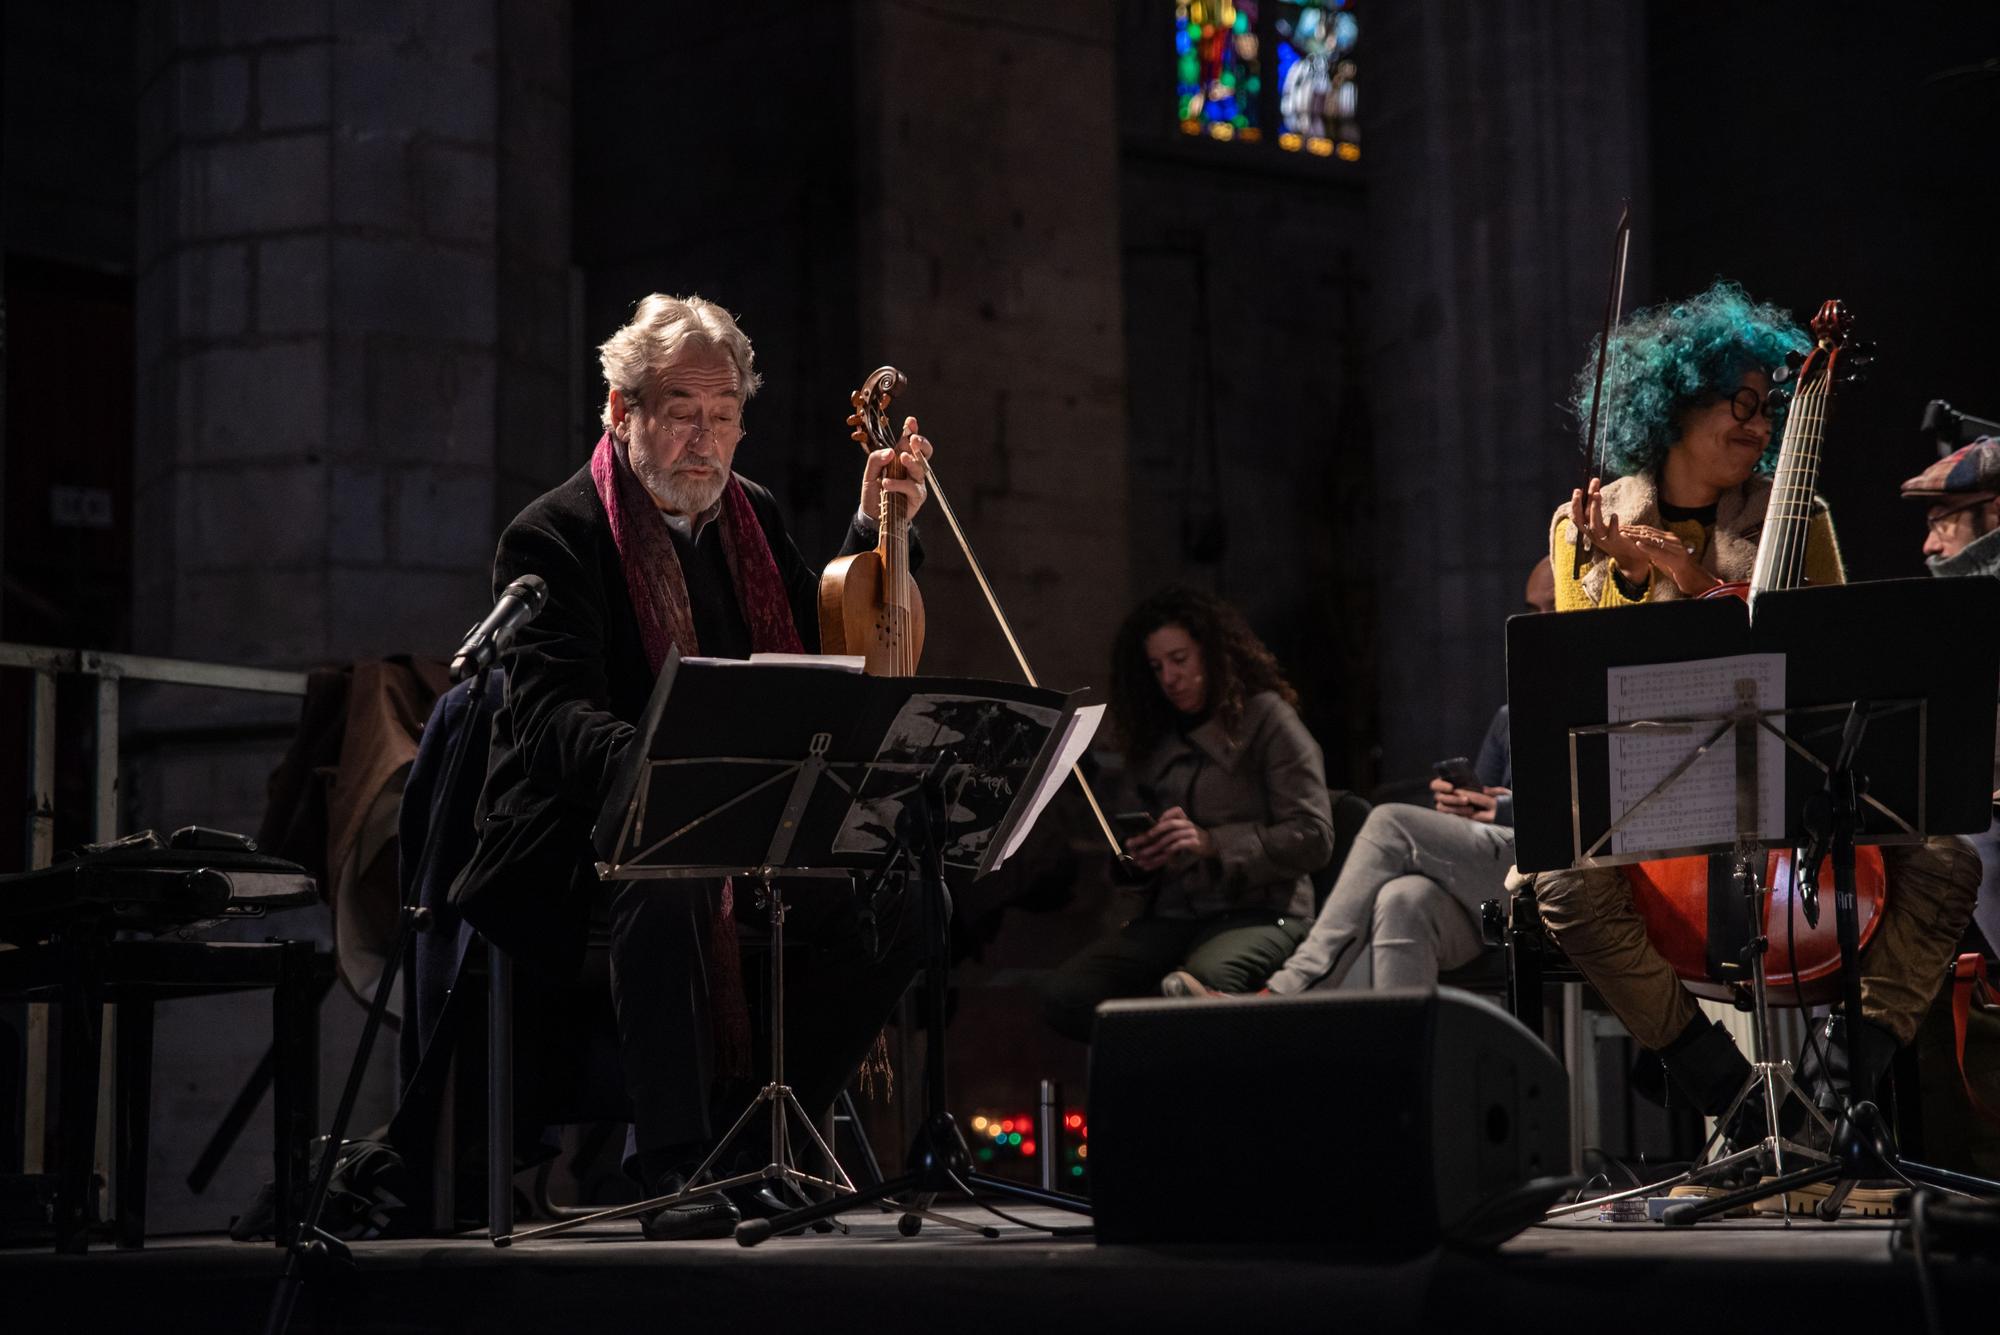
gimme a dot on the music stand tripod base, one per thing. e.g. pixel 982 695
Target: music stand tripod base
pixel 1772 1078
pixel 776 1095
pixel 940 1161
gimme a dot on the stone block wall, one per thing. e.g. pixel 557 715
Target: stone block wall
pixel 990 274
pixel 327 248
pixel 340 206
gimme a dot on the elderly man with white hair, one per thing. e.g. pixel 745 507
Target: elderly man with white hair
pixel 658 543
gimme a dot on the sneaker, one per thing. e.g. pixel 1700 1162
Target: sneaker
pixel 1708 1191
pixel 1732 1179
pixel 1181 983
pixel 1879 1199
pixel 708 1216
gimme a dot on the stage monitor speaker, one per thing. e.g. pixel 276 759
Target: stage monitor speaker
pixel 1385 1123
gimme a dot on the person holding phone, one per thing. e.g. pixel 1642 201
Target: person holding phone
pixel 1405 906
pixel 1235 816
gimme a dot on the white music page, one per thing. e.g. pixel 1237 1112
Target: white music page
pixel 1699 807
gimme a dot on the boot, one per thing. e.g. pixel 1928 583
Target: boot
pixel 1850 1072
pixel 1842 1078
pixel 1707 1067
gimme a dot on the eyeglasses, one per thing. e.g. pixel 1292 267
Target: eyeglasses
pixel 1942 520
pixel 680 433
pixel 1746 403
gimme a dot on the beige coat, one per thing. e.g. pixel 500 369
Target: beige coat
pixel 1260 792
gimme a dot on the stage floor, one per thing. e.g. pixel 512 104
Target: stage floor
pixel 1638 1277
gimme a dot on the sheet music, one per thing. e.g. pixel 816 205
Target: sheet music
pixel 1083 725
pixel 1699 807
pixel 838 662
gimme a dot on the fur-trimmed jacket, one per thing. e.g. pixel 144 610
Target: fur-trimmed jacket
pixel 1728 550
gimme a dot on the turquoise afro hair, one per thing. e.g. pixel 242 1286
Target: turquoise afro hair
pixel 1669 358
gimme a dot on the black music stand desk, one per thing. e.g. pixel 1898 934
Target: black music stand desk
pixel 792 771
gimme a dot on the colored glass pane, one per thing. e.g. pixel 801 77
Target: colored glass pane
pixel 1318 92
pixel 1217 67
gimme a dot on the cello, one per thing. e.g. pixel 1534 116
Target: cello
pixel 1672 894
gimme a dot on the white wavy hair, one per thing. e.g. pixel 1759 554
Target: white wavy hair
pixel 661 330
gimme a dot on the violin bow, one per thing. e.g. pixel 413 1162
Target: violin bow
pixel 1006 630
pixel 1614 307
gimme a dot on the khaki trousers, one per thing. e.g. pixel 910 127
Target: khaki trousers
pixel 1932 888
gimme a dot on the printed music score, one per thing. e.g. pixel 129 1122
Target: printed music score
pixel 1082 727
pixel 1697 809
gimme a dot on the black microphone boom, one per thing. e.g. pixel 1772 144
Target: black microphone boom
pixel 518 604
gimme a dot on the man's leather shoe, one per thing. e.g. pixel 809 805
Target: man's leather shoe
pixel 709 1216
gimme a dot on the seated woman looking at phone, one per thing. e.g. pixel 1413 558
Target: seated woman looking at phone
pixel 1405 906
pixel 1235 812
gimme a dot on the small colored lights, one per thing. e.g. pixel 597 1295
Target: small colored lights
pixel 1073 1121
pixel 1349 152
pixel 1291 142
pixel 1028 1147
pixel 1014 1138
pixel 1083 1151
pixel 979 1124
pixel 1007 1125
pixel 1076 1170
pixel 1222 130
pixel 986 1154
pixel 1319 147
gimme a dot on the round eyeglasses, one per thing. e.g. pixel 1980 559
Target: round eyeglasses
pixel 1746 403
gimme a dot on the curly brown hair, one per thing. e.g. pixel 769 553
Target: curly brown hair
pixel 1235 661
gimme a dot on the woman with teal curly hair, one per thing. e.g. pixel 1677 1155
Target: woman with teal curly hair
pixel 1690 425
pixel 1687 389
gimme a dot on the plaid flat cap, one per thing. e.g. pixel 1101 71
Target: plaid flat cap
pixel 1966 471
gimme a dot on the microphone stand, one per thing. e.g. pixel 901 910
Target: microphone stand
pixel 312 1252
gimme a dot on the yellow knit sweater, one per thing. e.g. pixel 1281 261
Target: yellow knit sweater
pixel 1823 564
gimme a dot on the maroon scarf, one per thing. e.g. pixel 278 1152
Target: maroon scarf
pixel 659 594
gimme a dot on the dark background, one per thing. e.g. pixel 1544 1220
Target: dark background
pixel 301 301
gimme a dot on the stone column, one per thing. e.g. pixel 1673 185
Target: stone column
pixel 331 234
pixel 1501 139
pixel 342 207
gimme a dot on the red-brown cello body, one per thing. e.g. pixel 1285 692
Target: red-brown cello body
pixel 1671 895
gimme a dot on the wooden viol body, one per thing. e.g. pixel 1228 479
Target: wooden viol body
pixel 868 603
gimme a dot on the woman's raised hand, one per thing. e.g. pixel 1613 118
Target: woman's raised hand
pixel 1588 515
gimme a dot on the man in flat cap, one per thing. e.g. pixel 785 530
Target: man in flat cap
pixel 1961 493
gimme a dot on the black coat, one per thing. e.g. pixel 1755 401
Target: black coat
pixel 577 683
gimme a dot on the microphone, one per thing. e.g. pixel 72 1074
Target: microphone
pixel 519 604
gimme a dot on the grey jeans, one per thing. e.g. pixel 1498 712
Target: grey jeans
pixel 1406 903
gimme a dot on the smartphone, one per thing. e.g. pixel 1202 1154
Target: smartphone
pixel 1458 772
pixel 1131 823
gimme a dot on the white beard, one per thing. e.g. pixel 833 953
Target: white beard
pixel 681 495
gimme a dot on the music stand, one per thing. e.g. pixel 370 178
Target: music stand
pixel 1926 758
pixel 779 771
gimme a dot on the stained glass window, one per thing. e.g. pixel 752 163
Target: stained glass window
pixel 1317 92
pixel 1221 80
pixel 1219 50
